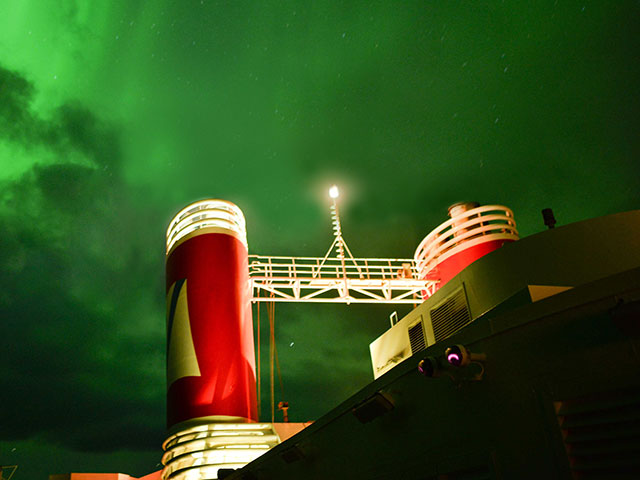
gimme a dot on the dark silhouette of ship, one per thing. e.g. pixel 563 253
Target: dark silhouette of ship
pixel 525 364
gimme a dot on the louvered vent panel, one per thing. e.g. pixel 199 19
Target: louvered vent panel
pixel 450 316
pixel 601 434
pixel 416 337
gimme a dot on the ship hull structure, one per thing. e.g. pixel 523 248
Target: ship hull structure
pixel 551 391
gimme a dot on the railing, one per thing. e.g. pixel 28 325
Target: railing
pixel 335 280
pixel 204 214
pixel 200 452
pixel 475 226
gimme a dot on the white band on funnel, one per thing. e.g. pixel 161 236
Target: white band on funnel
pixel 206 214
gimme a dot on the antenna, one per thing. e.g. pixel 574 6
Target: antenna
pixel 338 243
pixel 334 193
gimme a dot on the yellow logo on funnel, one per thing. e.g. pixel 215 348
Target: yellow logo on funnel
pixel 181 354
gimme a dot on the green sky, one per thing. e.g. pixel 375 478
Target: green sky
pixel 115 114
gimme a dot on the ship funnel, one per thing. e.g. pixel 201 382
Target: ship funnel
pixel 211 371
pixel 472 232
pixel 210 352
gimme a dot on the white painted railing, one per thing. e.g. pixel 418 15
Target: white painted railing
pixel 198 453
pixel 478 225
pixel 204 214
pixel 335 280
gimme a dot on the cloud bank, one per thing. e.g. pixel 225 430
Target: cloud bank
pixel 83 338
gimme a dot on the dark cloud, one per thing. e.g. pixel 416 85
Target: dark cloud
pixel 77 128
pixel 82 353
pixel 16 93
pixel 71 130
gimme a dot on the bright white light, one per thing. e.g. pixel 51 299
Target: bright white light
pixel 333 192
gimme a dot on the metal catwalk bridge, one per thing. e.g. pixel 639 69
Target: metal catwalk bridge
pixel 336 280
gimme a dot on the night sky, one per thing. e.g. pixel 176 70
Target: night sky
pixel 114 115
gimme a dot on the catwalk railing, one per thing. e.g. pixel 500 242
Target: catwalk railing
pixel 336 280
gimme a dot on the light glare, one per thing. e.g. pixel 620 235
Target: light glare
pixel 333 192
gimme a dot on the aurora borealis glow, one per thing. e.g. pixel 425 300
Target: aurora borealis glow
pixel 114 115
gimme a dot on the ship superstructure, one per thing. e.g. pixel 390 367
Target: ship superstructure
pixel 524 365
pixel 520 359
pixel 211 282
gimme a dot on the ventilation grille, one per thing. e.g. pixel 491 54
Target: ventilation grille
pixel 416 337
pixel 450 316
pixel 601 434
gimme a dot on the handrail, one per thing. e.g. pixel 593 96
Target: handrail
pixel 309 268
pixel 330 280
pixel 477 225
pixel 206 213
